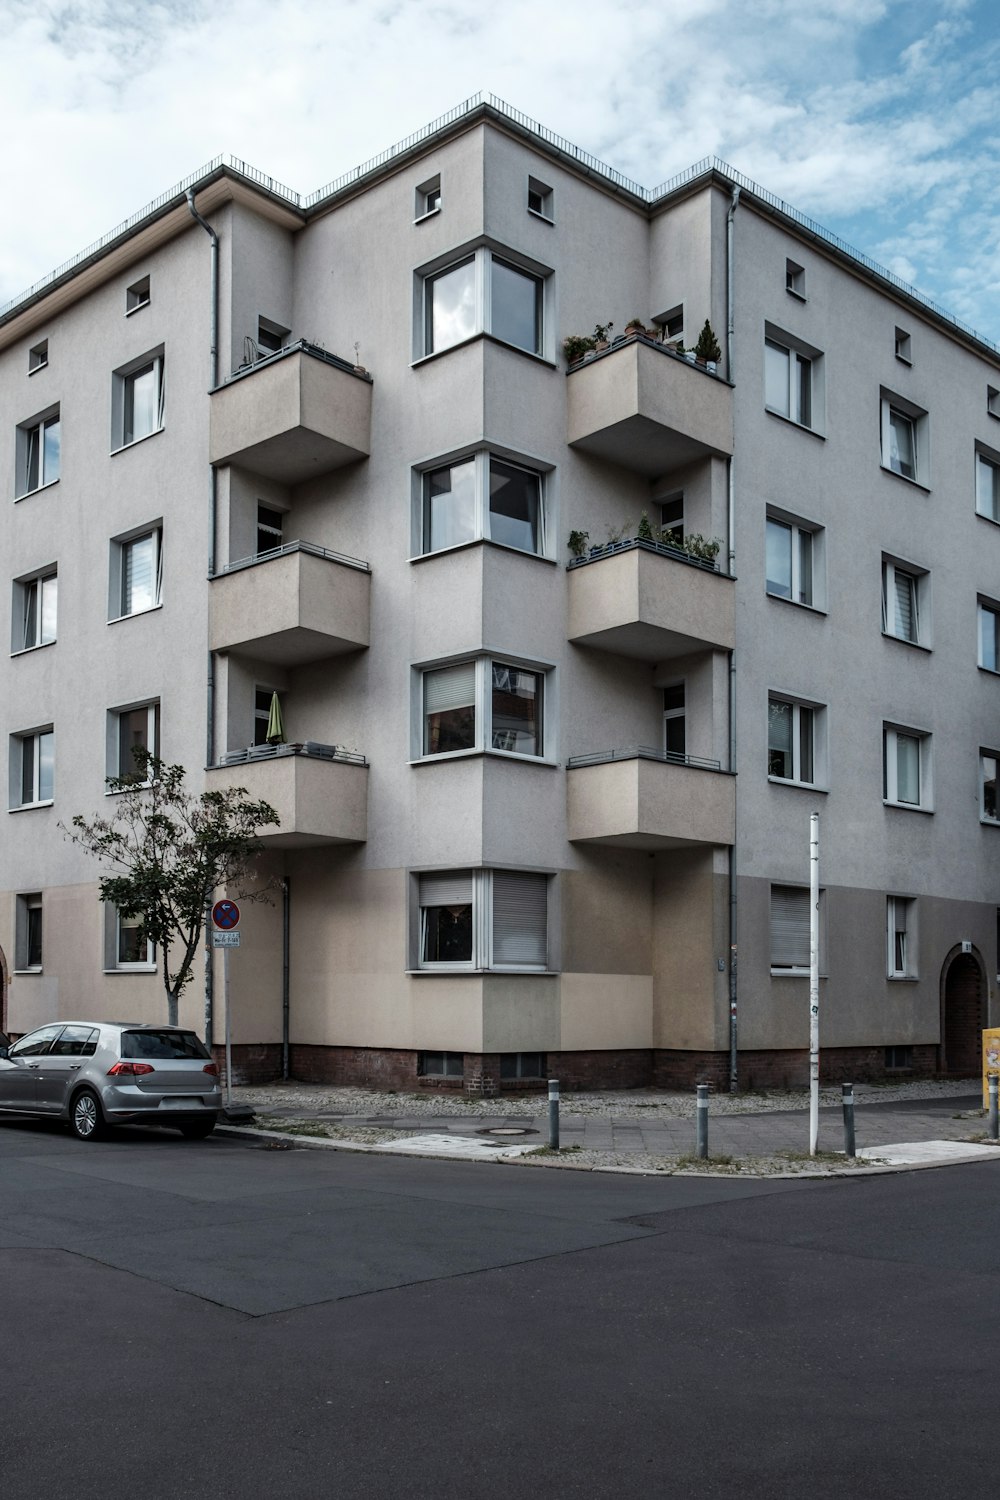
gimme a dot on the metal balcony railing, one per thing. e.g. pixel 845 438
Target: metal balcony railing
pixel 310 748
pixel 664 549
pixel 299 346
pixel 286 549
pixel 643 752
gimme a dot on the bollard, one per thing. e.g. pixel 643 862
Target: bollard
pixel 994 1122
pixel 553 1114
pixel 702 1114
pixel 847 1091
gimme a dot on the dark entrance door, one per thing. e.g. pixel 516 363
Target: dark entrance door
pixel 962 1022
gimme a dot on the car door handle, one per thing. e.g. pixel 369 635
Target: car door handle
pixel 74 1067
pixel 33 1067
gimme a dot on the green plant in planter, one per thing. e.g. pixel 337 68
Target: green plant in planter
pixel 645 531
pixel 618 534
pixel 578 542
pixel 637 325
pixel 602 332
pixel 707 549
pixel 576 346
pixel 707 347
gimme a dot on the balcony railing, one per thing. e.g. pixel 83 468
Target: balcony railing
pixel 311 748
pixel 319 792
pixel 663 549
pixel 287 548
pixel 298 346
pixel 644 752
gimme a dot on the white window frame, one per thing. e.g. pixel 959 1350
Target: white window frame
pixel 122 384
pixel 987 479
pixel 483 886
pixel 901 909
pixel 542 207
pixel 427 198
pixel 779 894
pixel 137 296
pixel 992 401
pixel 18 745
pixel 897 406
pixel 817 736
pixel 483 707
pixel 984 608
pixel 113 935
pixel 891 734
pixel 38 357
pixel 920 597
pixel 802 363
pixel 795 279
pixel 26 903
pixel 40 584
pixel 482 259
pixel 985 769
pixel 903 346
pixel 117 571
pixel 153 735
pixel 482 459
pixel 30 439
pixel 800 530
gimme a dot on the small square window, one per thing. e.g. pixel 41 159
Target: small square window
pixel 440 1064
pixel 33 618
pixel 28 933
pixel 270 336
pixel 901 937
pixel 522 1065
pixel 906 767
pixel 38 357
pixel 133 733
pixel 427 199
pixel 905 602
pixel 137 295
pixel 795 279
pixel 540 200
pixel 38 453
pixel 32 768
pixel 903 346
pixel 987 487
pixel 898 1059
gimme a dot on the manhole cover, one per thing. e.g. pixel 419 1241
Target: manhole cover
pixel 506 1130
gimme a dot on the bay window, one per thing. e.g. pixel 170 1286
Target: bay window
pixel 482 293
pixel 481 497
pixel 482 704
pixel 482 919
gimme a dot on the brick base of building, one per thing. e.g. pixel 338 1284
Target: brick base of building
pixel 253 1063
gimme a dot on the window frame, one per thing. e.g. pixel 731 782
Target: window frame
pixel 893 405
pixel 817 740
pixel 984 607
pixel 796 970
pixel 21 593
pixel 40 752
pixel 137 296
pixel 427 199
pixel 545 195
pixel 907 906
pixel 795 279
pixel 123 395
pixel 903 346
pixel 985 755
pixel 117 571
pixel 483 664
pixel 115 964
pixel 891 733
pixel 482 258
pixel 38 357
pixel 985 460
pixel 29 929
pixel 483 892
pixel 30 443
pixel 114 727
pixel 267 328
pixel 482 460
pixel 799 528
pixel 920 596
pixel 806 363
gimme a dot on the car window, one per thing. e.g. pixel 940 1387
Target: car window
pixel 163 1044
pixel 36 1042
pixel 76 1041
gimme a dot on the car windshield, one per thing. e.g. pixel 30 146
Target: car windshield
pixel 162 1044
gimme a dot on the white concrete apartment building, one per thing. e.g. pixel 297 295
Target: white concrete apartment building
pixel 540 814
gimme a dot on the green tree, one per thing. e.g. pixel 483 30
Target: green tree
pixel 170 851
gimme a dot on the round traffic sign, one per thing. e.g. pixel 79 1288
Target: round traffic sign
pixel 226 914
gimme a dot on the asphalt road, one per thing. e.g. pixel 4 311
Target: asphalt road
pixel 215 1319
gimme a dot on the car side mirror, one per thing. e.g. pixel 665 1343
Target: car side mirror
pixel 4 1051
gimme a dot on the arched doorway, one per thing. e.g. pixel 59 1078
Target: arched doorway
pixel 963 1014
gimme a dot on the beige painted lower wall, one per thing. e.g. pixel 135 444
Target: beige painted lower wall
pixel 690 936
pixel 605 1010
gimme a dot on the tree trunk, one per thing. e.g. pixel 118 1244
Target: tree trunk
pixel 171 1007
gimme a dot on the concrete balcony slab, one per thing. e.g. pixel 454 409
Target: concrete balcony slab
pixel 294 605
pixel 319 794
pixel 639 800
pixel 647 604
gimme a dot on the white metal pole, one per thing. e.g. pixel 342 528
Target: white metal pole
pixel 813 983
pixel 229 1034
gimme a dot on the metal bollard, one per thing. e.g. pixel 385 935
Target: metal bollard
pixel 847 1092
pixel 993 1081
pixel 553 1114
pixel 702 1117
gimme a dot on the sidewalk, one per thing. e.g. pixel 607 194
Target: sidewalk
pixel 644 1130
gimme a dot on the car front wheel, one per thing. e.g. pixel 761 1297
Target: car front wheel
pixel 86 1119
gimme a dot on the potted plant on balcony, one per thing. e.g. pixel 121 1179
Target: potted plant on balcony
pixel 602 333
pixel 576 346
pixel 635 325
pixel 707 350
pixel 578 542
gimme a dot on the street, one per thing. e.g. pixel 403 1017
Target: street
pixel 189 1319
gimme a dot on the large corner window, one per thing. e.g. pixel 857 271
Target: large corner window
pixel 136 573
pixel 38 452
pixel 482 497
pixel 137 400
pixel 483 919
pixel 132 730
pixel 482 704
pixel 906 767
pixel 904 439
pixel 33 617
pixel 32 768
pixel 482 293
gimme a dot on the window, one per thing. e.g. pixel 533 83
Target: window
pixel 989 636
pixel 793 562
pixel 904 603
pixel 440 1064
pixel 904 439
pixel 270 524
pixel 674 726
pixel 987 487
pixel 901 937
pixel 988 811
pixel 482 294
pixel 795 279
pixel 483 919
pixel 792 741
pixel 906 779
pixel 428 198
pixel 75 1041
pixel 136 573
pixel 263 698
pixel 132 948
pixel 38 357
pixel 789 921
pixel 270 336
pixel 34 611
pixel 137 401
pixel 898 1058
pixel 28 935
pixel 672 520
pixel 482 497
pixel 38 453
pixel 522 1065
pixel 540 199
pixel 903 345
pixel 137 295
pixel 993 401
pixel 788 382
pixel 131 730
pixel 672 322
pixel 509 699
pixel 32 768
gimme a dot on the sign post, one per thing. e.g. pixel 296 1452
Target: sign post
pixel 813 983
pixel 226 920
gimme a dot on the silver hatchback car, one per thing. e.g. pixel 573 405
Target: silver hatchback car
pixel 99 1073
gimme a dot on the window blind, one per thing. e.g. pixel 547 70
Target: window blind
pixel 447 888
pixel 519 918
pixel 789 927
pixel 450 687
pixel 906 613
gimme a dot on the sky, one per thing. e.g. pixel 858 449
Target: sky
pixel 878 118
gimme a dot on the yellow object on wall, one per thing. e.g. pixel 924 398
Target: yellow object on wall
pixel 991 1060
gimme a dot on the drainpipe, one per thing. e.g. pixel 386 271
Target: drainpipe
pixel 286 902
pixel 731 523
pixel 212 507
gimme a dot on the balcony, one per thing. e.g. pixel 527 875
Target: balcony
pixel 295 604
pixel 639 798
pixel 294 415
pixel 650 602
pixel 319 792
pixel 640 405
